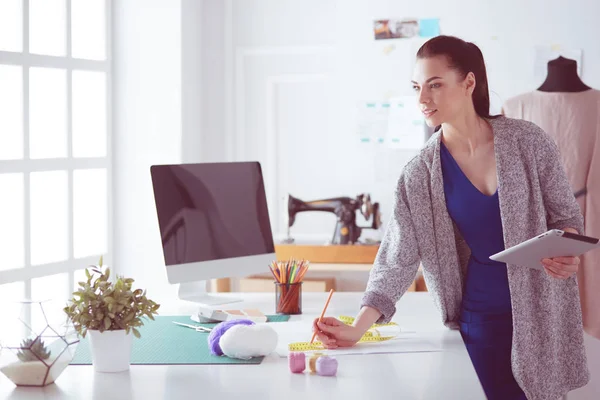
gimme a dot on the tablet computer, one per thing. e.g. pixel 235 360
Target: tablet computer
pixel 554 243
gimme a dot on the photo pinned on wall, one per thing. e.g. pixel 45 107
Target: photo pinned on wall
pixel 405 28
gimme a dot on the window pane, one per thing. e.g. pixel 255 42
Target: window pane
pixel 12 240
pixel 89 212
pixel 48 27
pixel 11 25
pixel 47 113
pixel 89 114
pixel 49 218
pixel 11 112
pixel 55 289
pixel 12 292
pixel 10 296
pixel 78 276
pixel 88 29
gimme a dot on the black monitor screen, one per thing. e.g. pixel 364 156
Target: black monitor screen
pixel 211 211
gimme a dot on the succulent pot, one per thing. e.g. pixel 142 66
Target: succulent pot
pixel 33 350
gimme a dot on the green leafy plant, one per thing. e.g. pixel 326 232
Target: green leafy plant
pixel 33 350
pixel 102 305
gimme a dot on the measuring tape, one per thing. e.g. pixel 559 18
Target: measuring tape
pixel 371 336
pixel 350 320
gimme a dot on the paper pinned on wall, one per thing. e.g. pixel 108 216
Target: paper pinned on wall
pixel 387 50
pixel 429 27
pixel 545 53
pixel 406 125
pixel 372 121
pixel 398 123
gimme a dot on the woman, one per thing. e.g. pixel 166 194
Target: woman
pixel 480 184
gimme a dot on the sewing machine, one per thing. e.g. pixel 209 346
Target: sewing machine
pixel 346 231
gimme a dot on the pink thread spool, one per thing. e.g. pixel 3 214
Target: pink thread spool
pixel 327 366
pixel 297 362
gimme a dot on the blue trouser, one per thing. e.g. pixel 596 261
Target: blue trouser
pixel 488 340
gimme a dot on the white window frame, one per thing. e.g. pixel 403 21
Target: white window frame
pixel 68 163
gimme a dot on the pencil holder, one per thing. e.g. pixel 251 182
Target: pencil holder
pixel 288 298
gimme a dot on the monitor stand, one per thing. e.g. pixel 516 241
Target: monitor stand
pixel 196 292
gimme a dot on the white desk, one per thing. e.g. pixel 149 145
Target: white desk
pixel 437 375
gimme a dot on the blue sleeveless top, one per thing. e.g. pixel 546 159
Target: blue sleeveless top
pixel 477 216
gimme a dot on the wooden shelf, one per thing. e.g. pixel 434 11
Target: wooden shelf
pixel 323 259
pixel 328 254
pixel 325 267
pixel 265 284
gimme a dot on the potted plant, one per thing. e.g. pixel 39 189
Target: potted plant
pixel 111 312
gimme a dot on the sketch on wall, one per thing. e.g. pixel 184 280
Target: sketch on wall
pixel 397 123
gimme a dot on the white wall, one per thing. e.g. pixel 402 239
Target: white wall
pixel 298 70
pixel 279 80
pixel 193 44
pixel 147 129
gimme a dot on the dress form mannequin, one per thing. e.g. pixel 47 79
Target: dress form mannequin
pixel 568 110
pixel 562 77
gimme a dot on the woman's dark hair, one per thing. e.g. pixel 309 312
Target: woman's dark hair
pixel 465 57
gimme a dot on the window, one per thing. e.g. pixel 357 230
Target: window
pixel 55 161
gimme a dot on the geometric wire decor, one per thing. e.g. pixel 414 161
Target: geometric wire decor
pixel 34 350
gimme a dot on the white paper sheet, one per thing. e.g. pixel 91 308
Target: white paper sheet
pixel 406 125
pixel 404 342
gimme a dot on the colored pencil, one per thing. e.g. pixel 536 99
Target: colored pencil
pixel 322 315
pixel 289 272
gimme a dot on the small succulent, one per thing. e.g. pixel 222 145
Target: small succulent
pixel 108 306
pixel 33 350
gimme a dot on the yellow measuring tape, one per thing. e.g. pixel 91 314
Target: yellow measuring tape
pixel 372 335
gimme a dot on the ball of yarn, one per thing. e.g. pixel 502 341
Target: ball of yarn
pixel 245 342
pixel 297 362
pixel 312 362
pixel 215 335
pixel 326 366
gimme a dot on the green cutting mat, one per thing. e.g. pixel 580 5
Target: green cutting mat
pixel 164 342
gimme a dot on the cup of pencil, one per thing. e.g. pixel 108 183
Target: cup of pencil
pixel 288 285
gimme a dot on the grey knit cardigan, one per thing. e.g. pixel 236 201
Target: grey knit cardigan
pixel 548 356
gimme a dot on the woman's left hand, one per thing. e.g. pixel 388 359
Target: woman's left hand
pixel 561 267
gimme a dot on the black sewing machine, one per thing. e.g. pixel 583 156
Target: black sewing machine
pixel 346 230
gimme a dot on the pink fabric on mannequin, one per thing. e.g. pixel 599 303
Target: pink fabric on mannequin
pixel 573 121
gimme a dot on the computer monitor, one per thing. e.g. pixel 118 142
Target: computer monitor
pixel 214 223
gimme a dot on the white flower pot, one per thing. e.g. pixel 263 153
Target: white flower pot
pixel 111 350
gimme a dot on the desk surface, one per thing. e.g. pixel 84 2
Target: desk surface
pixel 437 375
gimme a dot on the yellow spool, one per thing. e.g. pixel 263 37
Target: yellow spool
pixel 312 362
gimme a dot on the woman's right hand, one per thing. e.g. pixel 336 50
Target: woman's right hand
pixel 334 333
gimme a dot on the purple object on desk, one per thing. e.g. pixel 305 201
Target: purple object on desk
pixel 327 366
pixel 219 330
